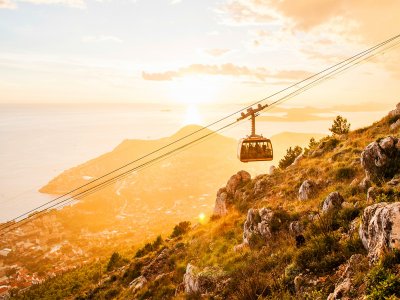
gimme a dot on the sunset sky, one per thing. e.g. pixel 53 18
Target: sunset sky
pixel 187 51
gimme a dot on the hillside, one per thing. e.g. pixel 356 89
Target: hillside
pixel 326 227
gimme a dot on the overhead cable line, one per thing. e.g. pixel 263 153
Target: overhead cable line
pixel 346 63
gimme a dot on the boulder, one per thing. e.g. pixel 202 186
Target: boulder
pixel 228 193
pixel 271 170
pixel 307 190
pixel 221 202
pixel 395 112
pixel 381 159
pixel 395 126
pixel 295 228
pixel 207 281
pixel 380 229
pixel 258 222
pixel 137 284
pixel 334 200
pixel 237 180
pixel 158 265
pixel 298 159
pixel 261 186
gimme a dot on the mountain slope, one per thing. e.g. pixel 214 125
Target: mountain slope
pixel 295 234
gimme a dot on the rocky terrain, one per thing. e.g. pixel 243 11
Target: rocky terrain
pixel 325 227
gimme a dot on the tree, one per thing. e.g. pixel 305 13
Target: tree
pixel 340 126
pixel 180 229
pixel 290 156
pixel 311 145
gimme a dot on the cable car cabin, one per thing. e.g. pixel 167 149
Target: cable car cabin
pixel 255 149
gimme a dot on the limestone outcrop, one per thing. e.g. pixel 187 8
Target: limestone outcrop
pixel 226 194
pixel 380 229
pixel 203 282
pixel 258 222
pixel 334 200
pixel 307 190
pixel 381 159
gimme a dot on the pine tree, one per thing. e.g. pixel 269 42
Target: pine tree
pixel 340 126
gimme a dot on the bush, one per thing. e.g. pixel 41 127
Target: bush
pixel 382 284
pixel 150 247
pixel 340 126
pixel 345 173
pixel 394 119
pixel 116 261
pixel 321 254
pixel 180 229
pixel 290 156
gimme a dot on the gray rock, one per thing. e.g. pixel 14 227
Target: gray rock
pixel 334 200
pixel 227 193
pixel 258 222
pixel 271 170
pixel 298 159
pixel 237 180
pixel 207 281
pixel 307 190
pixel 395 126
pixel 260 186
pixel 380 229
pixel 137 284
pixel 396 111
pixel 221 202
pixel 381 160
pixel 295 228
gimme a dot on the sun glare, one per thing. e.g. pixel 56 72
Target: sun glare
pixel 202 218
pixel 192 116
pixel 193 90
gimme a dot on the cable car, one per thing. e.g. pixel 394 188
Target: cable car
pixel 254 147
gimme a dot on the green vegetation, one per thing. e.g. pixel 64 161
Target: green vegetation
pixel 340 126
pixel 180 229
pixel 290 156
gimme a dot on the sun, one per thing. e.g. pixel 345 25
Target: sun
pixel 202 218
pixel 193 90
pixel 192 116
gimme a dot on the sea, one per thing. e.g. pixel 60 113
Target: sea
pixel 39 141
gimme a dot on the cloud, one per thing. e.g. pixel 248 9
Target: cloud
pixel 101 39
pixel 229 69
pixel 216 52
pixel 7 4
pixel 246 12
pixel 70 3
pixel 305 114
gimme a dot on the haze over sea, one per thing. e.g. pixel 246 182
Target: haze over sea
pixel 39 141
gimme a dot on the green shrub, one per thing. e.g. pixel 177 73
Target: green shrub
pixel 116 261
pixel 180 229
pixel 382 284
pixel 290 156
pixel 150 247
pixel 345 173
pixel 321 254
pixel 340 126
